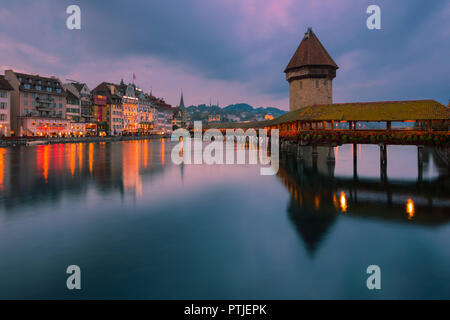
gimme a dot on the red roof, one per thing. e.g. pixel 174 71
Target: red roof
pixel 310 52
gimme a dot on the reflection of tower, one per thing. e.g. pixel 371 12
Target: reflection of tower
pixel 310 73
pixel 311 225
pixel 308 209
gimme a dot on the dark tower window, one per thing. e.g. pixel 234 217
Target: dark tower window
pixel 317 83
pixel 301 85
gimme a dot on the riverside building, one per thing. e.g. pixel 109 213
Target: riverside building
pixel 5 107
pixel 35 97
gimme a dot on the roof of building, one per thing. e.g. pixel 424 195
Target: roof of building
pixel 104 89
pixel 72 90
pixel 71 95
pixel 4 84
pixel 35 80
pixel 79 86
pixel 310 52
pixel 164 107
pixel 370 111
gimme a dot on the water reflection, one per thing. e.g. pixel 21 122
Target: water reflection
pixel 170 231
pixel 32 175
pixel 320 195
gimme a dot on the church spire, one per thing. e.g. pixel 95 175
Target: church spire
pixel 181 100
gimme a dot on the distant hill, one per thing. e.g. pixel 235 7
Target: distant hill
pixel 239 107
pixel 232 113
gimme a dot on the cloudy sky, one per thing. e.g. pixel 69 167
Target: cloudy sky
pixel 232 50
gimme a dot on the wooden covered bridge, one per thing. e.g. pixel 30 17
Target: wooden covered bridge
pixel 353 123
pixel 359 122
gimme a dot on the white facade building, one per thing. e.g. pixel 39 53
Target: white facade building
pixel 5 107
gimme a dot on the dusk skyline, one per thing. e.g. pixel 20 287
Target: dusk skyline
pixel 234 51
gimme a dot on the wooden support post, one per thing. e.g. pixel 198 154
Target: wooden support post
pixel 289 147
pixel 355 162
pixel 383 162
pixel 420 163
pixel 330 157
pixel 314 151
pixel 299 152
pixel 315 155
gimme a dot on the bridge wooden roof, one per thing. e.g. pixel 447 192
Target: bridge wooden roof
pixel 409 110
pixel 370 111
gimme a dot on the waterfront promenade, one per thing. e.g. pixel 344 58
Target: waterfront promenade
pixel 39 140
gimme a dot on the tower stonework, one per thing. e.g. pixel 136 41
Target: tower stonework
pixel 310 74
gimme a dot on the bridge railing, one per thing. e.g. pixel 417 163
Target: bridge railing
pixel 338 137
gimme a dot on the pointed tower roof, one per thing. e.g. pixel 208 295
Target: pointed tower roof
pixel 181 105
pixel 310 52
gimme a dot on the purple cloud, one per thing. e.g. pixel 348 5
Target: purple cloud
pixel 232 50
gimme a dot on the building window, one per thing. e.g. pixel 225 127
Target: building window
pixel 2 105
pixel 317 83
pixel 301 85
pixel 49 89
pixel 2 93
pixel 27 86
pixel 38 88
pixel 25 102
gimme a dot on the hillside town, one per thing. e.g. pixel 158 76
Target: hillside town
pixel 37 106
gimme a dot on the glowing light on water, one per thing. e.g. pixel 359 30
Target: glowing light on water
pixel 162 151
pixel 317 201
pixel 343 201
pixel 91 157
pixel 410 209
pixel 2 166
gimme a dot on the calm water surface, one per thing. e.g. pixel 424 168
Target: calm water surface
pixel 142 227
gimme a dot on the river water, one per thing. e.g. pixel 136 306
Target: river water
pixel 142 227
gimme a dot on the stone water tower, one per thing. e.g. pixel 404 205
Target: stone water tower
pixel 310 74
